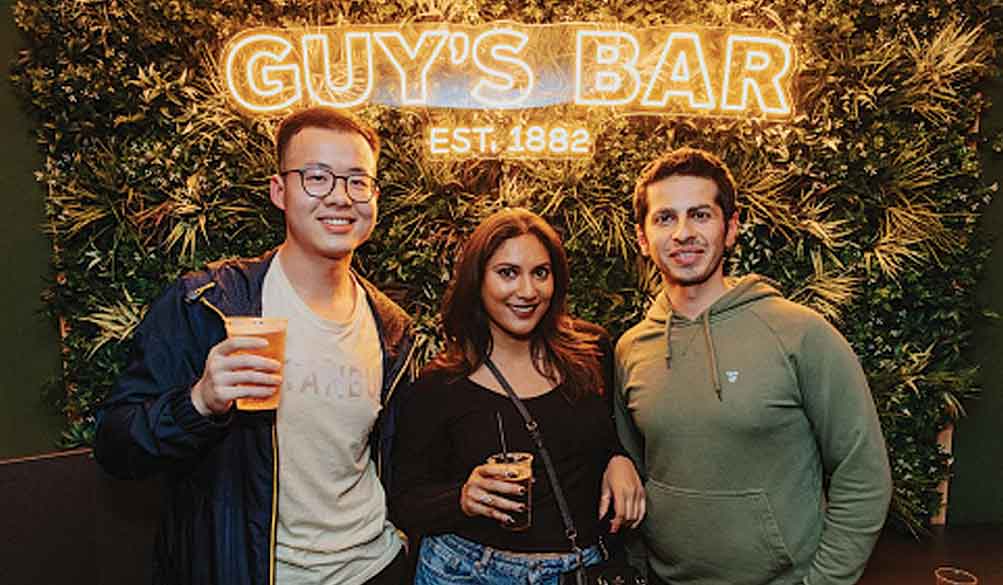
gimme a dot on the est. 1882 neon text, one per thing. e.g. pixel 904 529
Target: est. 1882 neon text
pixel 518 141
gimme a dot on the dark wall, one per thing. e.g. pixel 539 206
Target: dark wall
pixel 29 353
pixel 48 511
pixel 66 522
pixel 976 493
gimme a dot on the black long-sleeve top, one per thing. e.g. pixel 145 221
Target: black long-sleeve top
pixel 447 427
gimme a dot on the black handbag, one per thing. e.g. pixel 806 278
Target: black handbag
pixel 606 572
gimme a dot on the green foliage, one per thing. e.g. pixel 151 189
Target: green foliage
pixel 863 207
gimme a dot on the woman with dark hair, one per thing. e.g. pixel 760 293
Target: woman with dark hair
pixel 507 306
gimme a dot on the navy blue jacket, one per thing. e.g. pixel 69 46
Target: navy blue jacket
pixel 218 521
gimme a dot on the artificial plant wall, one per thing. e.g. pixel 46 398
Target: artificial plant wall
pixel 864 206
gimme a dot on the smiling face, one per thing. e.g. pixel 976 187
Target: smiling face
pixel 332 227
pixel 517 287
pixel 685 232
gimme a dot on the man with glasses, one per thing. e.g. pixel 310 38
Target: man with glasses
pixel 291 496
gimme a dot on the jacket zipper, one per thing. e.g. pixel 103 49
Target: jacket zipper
pixel 275 449
pixel 400 372
pixel 390 393
pixel 275 503
pixel 211 306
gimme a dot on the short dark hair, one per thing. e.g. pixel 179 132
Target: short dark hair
pixel 558 342
pixel 691 162
pixel 321 117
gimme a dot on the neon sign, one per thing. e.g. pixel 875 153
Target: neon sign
pixel 516 140
pixel 672 70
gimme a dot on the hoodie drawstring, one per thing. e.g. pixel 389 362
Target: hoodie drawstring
pixel 741 293
pixel 712 354
pixel 711 351
pixel 668 339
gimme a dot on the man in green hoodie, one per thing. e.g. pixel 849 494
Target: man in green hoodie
pixel 737 405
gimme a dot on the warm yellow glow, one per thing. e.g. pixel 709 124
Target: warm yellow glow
pixel 260 87
pixel 685 51
pixel 462 140
pixel 610 66
pixel 759 64
pixel 502 46
pixel 669 70
pixel 459 47
pixel 422 55
pixel 327 92
pixel 511 80
pixel 614 80
pixel 514 141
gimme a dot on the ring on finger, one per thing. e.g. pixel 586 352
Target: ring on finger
pixel 486 499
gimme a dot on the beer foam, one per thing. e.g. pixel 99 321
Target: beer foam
pixel 242 326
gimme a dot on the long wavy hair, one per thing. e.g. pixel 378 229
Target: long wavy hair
pixel 562 348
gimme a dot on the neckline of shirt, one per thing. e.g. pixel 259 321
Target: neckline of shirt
pixel 300 305
pixel 504 395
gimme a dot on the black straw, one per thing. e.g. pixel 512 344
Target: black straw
pixel 501 435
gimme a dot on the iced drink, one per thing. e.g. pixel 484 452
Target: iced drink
pixel 520 468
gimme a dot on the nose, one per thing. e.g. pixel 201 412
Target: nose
pixel 526 288
pixel 338 195
pixel 683 231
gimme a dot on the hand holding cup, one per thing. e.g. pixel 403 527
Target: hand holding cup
pixel 246 367
pixel 501 490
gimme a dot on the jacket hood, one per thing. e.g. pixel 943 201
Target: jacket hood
pixel 741 293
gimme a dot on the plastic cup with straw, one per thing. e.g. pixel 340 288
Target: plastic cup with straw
pixel 518 469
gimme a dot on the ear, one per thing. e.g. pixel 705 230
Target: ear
pixel 731 233
pixel 277 192
pixel 642 240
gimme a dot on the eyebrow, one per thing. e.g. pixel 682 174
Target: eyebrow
pixel 320 165
pixel 513 264
pixel 688 209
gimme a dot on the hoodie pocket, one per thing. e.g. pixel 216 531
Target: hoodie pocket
pixel 714 536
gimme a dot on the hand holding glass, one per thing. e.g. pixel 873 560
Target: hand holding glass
pixel 272 330
pixel 518 468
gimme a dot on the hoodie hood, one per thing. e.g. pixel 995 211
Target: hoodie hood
pixel 741 292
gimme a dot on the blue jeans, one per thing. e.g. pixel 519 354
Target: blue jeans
pixel 447 559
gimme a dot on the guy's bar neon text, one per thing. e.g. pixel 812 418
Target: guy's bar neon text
pixel 676 70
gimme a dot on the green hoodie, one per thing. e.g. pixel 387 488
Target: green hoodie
pixel 735 424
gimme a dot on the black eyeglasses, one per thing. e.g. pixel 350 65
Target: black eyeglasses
pixel 319 182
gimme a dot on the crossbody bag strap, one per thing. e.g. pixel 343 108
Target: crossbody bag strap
pixel 534 432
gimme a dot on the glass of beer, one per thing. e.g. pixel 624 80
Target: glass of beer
pixel 272 330
pixel 519 469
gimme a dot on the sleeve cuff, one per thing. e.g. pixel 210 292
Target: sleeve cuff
pixel 618 449
pixel 191 420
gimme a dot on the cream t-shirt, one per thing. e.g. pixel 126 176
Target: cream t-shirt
pixel 332 526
